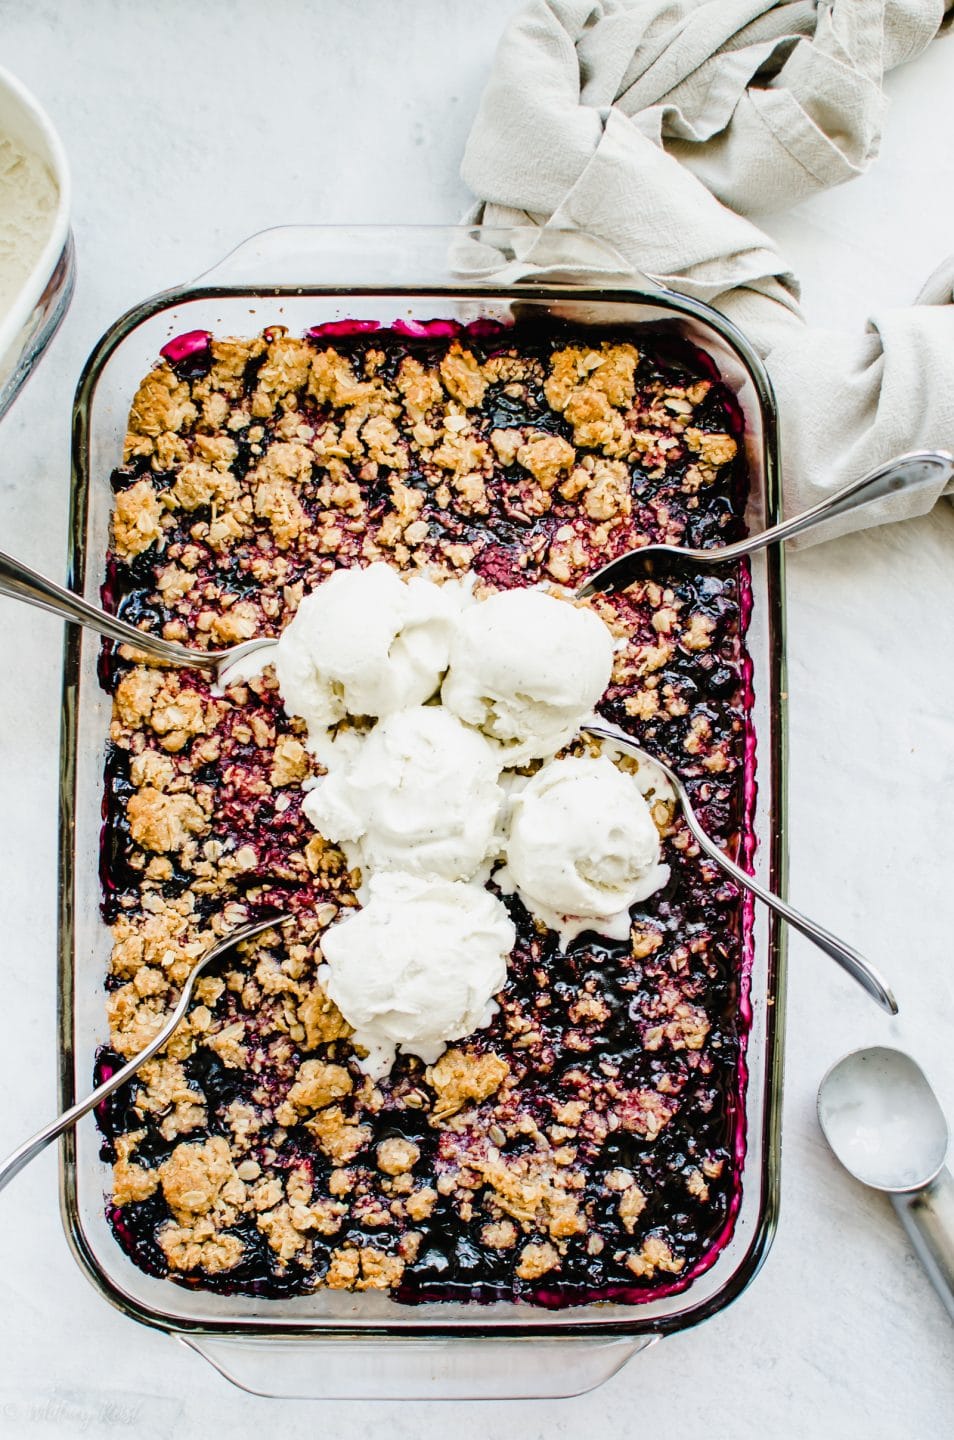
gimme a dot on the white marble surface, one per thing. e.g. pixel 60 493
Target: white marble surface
pixel 190 126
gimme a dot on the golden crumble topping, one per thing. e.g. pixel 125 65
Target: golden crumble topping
pixel 396 1156
pixel 547 457
pixel 459 1078
pixel 462 377
pixel 163 404
pixel 536 1259
pixel 655 1255
pixel 131 1182
pixel 548 1153
pixel 199 1247
pixel 194 1176
pixel 136 520
pixel 164 822
pixel 318 1084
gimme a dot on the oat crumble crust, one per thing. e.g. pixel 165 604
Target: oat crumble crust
pixel 580 1147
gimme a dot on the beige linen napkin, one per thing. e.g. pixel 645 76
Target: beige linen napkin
pixel 662 125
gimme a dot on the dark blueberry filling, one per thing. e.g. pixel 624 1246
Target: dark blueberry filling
pixel 698 917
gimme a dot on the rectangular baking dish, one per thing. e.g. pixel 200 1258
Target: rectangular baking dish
pixel 344 1344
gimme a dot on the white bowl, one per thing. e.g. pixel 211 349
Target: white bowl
pixel 42 300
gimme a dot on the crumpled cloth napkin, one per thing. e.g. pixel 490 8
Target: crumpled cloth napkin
pixel 662 126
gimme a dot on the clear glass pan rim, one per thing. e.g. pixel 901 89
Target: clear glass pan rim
pixel 639 1320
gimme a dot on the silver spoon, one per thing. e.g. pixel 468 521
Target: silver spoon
pixel 26 1152
pixel 19 582
pixel 856 965
pixel 907 472
pixel 883 1122
pixel 921 467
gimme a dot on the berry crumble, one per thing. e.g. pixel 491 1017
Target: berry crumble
pixel 586 1145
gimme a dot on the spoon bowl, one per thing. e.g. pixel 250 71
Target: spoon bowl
pixel 882 1120
pixel 19 582
pixel 913 471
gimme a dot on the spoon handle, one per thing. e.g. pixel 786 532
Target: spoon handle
pixel 856 965
pixel 905 472
pixel 860 969
pixel 17 1159
pixel 844 955
pixel 30 1148
pixel 928 1217
pixel 19 582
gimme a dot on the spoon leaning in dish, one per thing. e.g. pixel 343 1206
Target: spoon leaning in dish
pixel 19 582
pixel 906 472
pixel 849 959
pixel 26 1152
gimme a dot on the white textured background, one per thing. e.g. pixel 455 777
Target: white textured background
pixel 189 126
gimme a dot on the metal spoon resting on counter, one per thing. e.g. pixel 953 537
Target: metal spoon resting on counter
pixel 856 965
pixel 906 472
pixel 28 1151
pixel 883 1121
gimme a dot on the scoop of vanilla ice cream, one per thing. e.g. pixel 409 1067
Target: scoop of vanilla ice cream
pixel 418 966
pixel 366 642
pixel 582 848
pixel 527 668
pixel 420 795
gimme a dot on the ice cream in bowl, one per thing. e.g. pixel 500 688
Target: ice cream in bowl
pixel 36 248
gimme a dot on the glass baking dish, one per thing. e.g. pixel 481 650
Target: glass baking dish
pixel 329 1343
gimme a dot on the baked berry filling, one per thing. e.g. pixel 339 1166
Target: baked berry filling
pixel 587 1144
